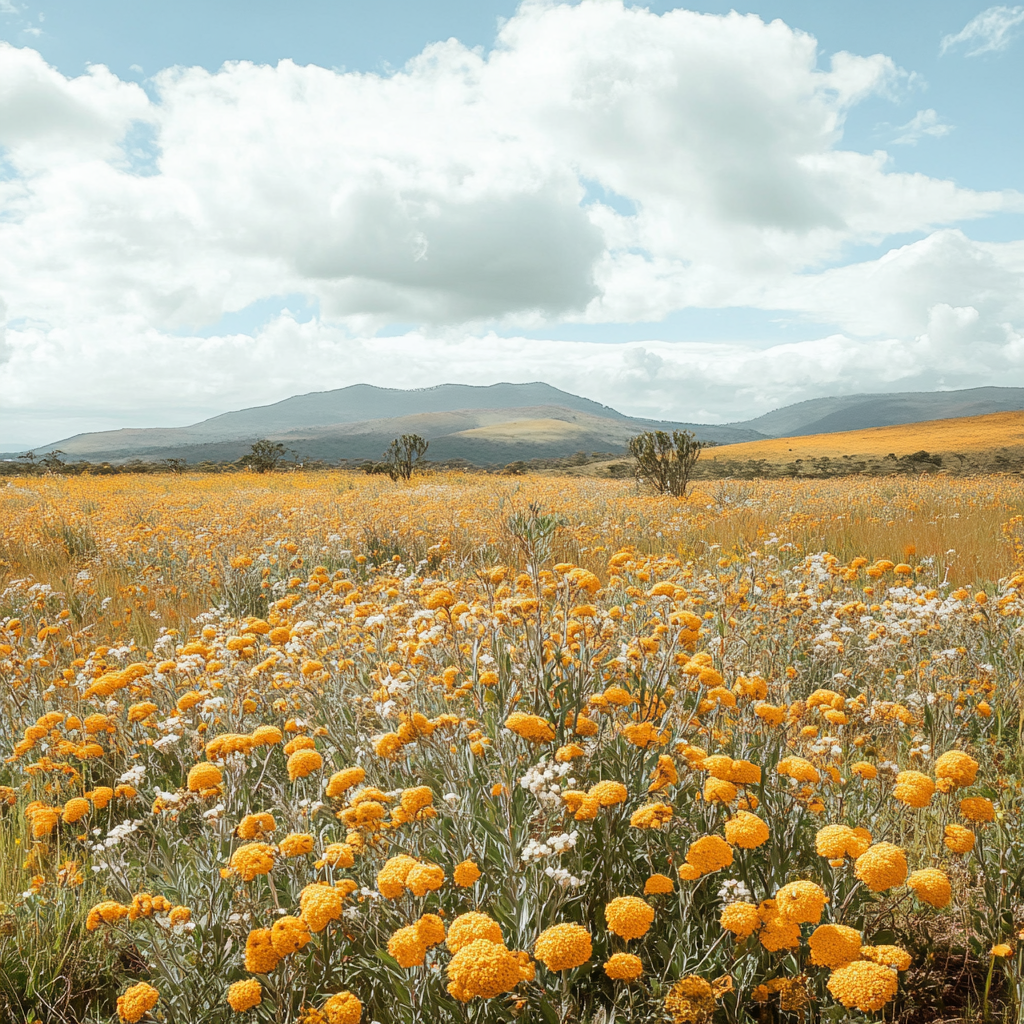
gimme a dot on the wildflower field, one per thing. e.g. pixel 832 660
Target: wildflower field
pixel 325 748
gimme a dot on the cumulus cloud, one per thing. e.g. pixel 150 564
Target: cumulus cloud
pixel 456 197
pixel 989 32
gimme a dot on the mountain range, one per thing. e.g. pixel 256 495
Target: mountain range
pixel 496 424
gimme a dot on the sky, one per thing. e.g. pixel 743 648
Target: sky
pixel 698 213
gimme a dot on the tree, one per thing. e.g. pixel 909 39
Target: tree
pixel 403 454
pixel 176 466
pixel 264 455
pixel 665 461
pixel 52 461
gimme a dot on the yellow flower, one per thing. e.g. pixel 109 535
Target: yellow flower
pixel 288 935
pixel 253 826
pixel 744 773
pixel 690 1001
pixel 623 967
pixel 776 931
pixel 770 713
pixel 664 774
pixel 439 597
pixel 839 841
pixel 260 955
pixel 244 995
pixel 658 884
pixel 863 985
pixel 204 776
pixel 801 902
pixel 959 839
pixel 108 911
pixel 43 820
pixel 740 918
pixel 932 887
pixel 343 1008
pixel 485 969
pixel 746 830
pixel 337 855
pixel 303 763
pixel 889 956
pixel 834 945
pixel 341 782
pixel 608 793
pixel 656 815
pixel 252 859
pixel 407 947
pixel 709 853
pixel 865 770
pixel 266 735
pixel 913 789
pixel 563 947
pixel 881 867
pixel 179 915
pixel 319 905
pixel 977 808
pixel 798 768
pixel 956 766
pixel 424 878
pixel 295 844
pixel 1001 949
pixel 688 873
pixel 136 1001
pixel 719 791
pixel 416 799
pixel 431 929
pixel 77 807
pixel 466 874
pixel 568 753
pixel 530 727
pixel 391 877
pixel 629 917
pixel 469 927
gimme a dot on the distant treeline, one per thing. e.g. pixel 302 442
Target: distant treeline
pixel 613 465
pixel 1002 460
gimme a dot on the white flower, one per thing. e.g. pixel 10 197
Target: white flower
pixel 732 890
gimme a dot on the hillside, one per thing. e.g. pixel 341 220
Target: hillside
pixel 358 422
pixel 514 422
pixel 860 412
pixel 972 437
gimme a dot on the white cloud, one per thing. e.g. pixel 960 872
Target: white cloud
pixel 924 122
pixel 452 195
pixel 989 32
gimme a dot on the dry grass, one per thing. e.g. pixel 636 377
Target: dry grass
pixel 968 434
pixel 158 548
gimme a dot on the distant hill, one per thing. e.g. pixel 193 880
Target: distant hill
pixel 859 412
pixel 1003 431
pixel 499 424
pixel 358 422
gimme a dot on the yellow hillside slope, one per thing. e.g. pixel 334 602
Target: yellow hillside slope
pixel 969 434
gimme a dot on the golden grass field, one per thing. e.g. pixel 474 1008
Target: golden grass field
pixel 327 748
pixel 966 434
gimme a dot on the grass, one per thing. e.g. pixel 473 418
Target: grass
pixel 961 434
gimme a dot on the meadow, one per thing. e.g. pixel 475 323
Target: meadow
pixel 993 443
pixel 327 748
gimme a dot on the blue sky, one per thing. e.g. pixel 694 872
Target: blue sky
pixel 695 307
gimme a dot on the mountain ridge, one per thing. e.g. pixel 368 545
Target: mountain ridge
pixel 485 424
